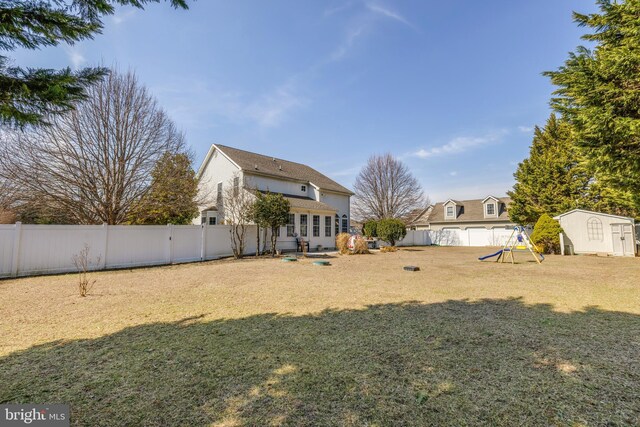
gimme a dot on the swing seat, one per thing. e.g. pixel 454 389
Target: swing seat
pixel 521 248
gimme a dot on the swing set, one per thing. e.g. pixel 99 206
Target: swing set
pixel 519 241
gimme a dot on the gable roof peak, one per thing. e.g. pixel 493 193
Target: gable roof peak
pixel 260 164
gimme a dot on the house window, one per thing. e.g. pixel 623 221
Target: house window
pixel 337 224
pixel 491 209
pixel 236 186
pixel 213 220
pixel 291 225
pixel 304 218
pixel 203 219
pixel 303 188
pixel 594 229
pixel 450 212
pixel 327 226
pixel 345 224
pixel 316 226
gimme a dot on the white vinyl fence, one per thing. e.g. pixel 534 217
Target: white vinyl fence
pixel 44 249
pixel 457 237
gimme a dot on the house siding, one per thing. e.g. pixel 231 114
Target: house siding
pixel 220 169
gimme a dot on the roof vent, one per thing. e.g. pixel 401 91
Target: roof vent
pixel 279 167
pixel 255 166
pixel 273 158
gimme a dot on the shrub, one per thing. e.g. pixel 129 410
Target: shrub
pixel 369 228
pixel 360 246
pixel 342 242
pixel 546 235
pixel 391 230
pixel 83 263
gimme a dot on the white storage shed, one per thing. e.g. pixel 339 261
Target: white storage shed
pixel 587 232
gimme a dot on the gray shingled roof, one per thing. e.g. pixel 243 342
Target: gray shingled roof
pixel 306 203
pixel 418 216
pixel 472 210
pixel 302 202
pixel 271 166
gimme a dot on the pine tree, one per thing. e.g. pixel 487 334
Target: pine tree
pixel 553 179
pixel 171 198
pixel 598 93
pixel 29 95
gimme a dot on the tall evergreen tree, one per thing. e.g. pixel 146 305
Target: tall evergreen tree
pixel 598 93
pixel 28 96
pixel 171 198
pixel 553 179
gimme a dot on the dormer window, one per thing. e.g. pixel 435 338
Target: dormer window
pixel 451 213
pixel 491 209
pixel 303 188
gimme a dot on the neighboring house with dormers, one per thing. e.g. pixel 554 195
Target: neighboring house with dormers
pixel 487 213
pixel 320 207
pixel 477 222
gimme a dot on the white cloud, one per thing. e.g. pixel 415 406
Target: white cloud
pixel 76 57
pixel 525 129
pixel 352 35
pixel 361 24
pixel 453 173
pixel 196 104
pixel 333 10
pixel 386 12
pixel 119 18
pixel 460 144
pixel 272 108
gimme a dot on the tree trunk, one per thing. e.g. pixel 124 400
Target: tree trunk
pixel 274 237
pixel 257 240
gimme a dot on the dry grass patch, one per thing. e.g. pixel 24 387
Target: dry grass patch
pixel 262 342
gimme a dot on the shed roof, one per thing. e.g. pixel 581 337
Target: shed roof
pixel 557 217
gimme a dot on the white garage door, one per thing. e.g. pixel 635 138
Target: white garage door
pixel 479 236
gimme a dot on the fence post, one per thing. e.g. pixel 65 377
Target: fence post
pixel 170 234
pixel 15 259
pixel 105 246
pixel 203 241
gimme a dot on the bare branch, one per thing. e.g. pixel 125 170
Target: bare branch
pixel 385 188
pixel 95 162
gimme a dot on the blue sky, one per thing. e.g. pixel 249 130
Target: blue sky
pixel 452 87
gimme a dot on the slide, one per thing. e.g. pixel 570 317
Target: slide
pixel 482 258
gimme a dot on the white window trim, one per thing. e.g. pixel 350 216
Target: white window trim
pixel 446 212
pixel 486 209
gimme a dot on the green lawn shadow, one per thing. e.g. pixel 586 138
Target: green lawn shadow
pixel 493 362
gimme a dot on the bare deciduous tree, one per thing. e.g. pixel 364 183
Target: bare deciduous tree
pixel 238 212
pixel 95 162
pixel 8 196
pixel 385 188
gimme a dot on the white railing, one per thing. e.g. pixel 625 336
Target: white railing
pixel 45 249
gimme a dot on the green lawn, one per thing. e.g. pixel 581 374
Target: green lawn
pixel 415 350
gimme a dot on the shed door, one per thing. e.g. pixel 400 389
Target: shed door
pixel 622 235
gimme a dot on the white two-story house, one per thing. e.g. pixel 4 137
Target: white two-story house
pixel 319 205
